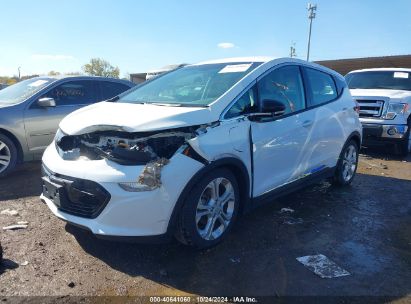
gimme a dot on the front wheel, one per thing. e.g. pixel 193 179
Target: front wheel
pixel 210 210
pixel 347 164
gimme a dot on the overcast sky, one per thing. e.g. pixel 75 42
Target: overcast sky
pixel 137 36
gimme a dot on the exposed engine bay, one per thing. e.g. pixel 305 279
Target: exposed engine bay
pixel 124 147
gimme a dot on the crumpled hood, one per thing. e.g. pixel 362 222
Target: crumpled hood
pixel 397 94
pixel 133 118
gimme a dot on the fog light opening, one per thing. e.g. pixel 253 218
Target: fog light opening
pixel 392 131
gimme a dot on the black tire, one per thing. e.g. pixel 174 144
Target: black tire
pixel 12 150
pixel 188 228
pixel 403 146
pixel 1 254
pixel 340 176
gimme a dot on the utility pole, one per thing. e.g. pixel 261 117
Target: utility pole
pixel 292 50
pixel 312 9
pixel 19 71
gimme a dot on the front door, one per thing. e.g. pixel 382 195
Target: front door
pixel 279 142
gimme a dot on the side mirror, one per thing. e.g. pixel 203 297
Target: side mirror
pixel 275 107
pixel 46 102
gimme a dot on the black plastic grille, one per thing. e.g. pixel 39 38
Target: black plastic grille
pixel 75 196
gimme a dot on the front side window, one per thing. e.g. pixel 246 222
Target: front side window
pixel 74 93
pixel 246 104
pixel 19 92
pixel 284 85
pixel 389 80
pixel 322 87
pixel 197 85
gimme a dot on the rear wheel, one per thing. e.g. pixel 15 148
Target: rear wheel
pixel 8 155
pixel 347 164
pixel 210 210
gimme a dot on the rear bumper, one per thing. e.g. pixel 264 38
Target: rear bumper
pixel 380 134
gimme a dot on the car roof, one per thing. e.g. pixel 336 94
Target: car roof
pixel 237 60
pixel 86 77
pixel 382 70
pixel 267 60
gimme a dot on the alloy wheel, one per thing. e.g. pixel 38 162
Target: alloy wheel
pixel 215 209
pixel 350 160
pixel 5 156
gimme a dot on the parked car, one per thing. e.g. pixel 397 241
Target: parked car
pixel 188 152
pixel 31 110
pixel 384 97
pixel 3 86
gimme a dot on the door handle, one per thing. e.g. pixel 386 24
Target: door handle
pixel 307 123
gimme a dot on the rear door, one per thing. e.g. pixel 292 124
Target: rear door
pixel 41 123
pixel 326 115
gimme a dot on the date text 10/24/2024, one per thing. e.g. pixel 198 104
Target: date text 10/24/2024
pixel 201 299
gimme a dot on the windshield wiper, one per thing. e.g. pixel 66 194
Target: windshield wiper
pixel 166 104
pixel 113 99
pixel 186 105
pixel 383 88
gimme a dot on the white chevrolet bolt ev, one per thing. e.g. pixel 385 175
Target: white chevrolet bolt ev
pixel 189 151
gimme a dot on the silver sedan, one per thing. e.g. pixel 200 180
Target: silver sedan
pixel 31 110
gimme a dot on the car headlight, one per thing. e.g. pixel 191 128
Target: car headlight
pixel 58 136
pixel 394 109
pixel 149 179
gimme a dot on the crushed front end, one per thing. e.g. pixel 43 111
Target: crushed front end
pixel 118 183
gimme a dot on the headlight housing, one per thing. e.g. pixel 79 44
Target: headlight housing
pixel 149 179
pixel 394 109
pixel 59 135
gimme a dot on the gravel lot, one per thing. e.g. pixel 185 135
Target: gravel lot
pixel 365 229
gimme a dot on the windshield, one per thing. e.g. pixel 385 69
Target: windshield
pixel 190 86
pixel 391 80
pixel 18 92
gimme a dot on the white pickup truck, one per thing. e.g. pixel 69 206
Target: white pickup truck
pixel 384 98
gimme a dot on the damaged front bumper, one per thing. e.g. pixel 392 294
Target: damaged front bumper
pixel 127 213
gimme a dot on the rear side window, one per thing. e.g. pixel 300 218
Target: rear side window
pixel 321 87
pixel 110 89
pixel 74 93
